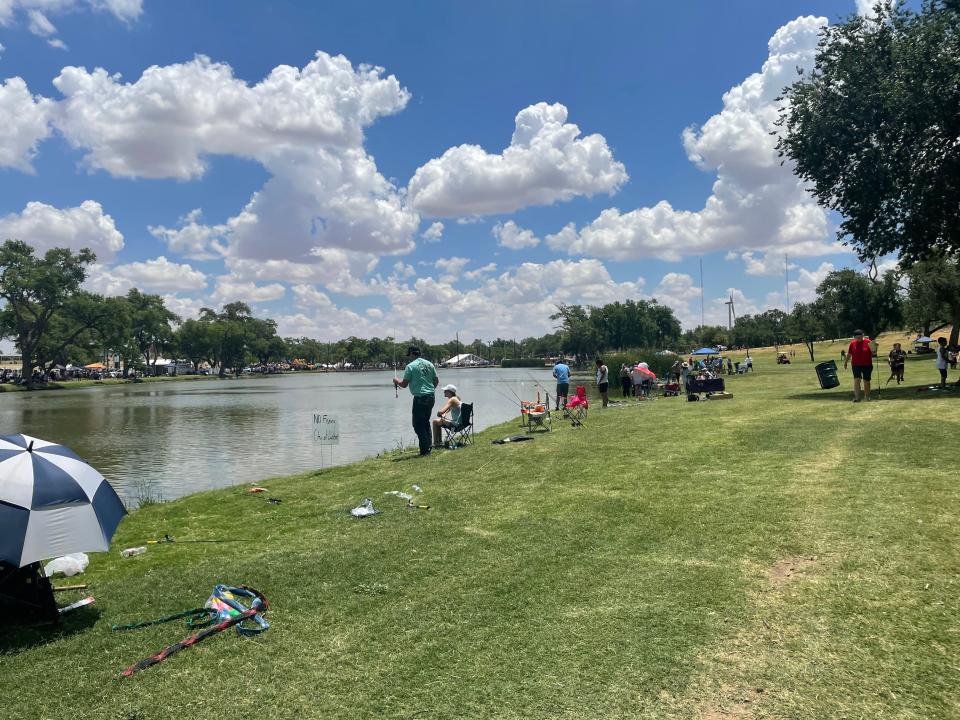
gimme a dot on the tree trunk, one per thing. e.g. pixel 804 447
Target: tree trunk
pixel 955 332
pixel 809 344
pixel 26 370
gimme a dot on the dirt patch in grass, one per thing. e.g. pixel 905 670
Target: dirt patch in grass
pixel 734 703
pixel 786 571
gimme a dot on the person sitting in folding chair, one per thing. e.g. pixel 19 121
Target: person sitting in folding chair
pixel 453 407
pixel 462 433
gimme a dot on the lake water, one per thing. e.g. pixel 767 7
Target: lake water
pixel 174 438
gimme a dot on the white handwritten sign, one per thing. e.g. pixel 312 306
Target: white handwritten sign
pixel 326 429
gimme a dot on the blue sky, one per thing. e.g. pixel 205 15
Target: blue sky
pixel 413 168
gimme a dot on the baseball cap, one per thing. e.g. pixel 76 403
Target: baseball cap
pixel 450 388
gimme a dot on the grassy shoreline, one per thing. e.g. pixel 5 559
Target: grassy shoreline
pixel 86 384
pixel 782 554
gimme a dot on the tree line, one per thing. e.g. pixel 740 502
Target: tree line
pixel 55 322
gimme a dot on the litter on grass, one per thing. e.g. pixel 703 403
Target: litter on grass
pixel 364 509
pixel 417 488
pixel 403 495
pixel 69 565
pixel 511 439
pixel 257 490
pixel 78 604
pixel 224 608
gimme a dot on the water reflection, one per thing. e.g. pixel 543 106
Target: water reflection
pixel 183 437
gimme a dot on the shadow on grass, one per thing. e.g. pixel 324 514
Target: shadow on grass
pixel 15 637
pixel 903 392
pixel 414 456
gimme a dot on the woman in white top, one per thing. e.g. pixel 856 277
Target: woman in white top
pixel 452 406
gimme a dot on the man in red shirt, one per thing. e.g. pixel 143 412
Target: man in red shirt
pixel 860 355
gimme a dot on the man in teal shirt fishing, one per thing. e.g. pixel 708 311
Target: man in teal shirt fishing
pixel 421 377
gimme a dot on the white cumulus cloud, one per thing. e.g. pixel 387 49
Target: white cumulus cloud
pixel 304 125
pixel 451 268
pixel 229 290
pixel 157 275
pixel 510 235
pixel 547 162
pixel 756 203
pixel 24 122
pixel 433 233
pixel 36 13
pixel 44 226
pixel 192 239
pixel 160 274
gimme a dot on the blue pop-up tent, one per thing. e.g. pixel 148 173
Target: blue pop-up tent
pixel 705 351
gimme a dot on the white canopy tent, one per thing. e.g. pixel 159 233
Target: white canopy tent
pixel 466 360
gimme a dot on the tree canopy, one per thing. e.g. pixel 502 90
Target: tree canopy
pixel 44 311
pixel 875 129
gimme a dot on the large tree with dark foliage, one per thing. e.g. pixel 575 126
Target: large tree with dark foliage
pixel 40 293
pixel 933 296
pixel 848 300
pixel 875 129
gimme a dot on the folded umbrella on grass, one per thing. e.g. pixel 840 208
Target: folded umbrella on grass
pixel 51 502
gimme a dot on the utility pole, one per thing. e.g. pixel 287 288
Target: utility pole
pixel 786 272
pixel 702 323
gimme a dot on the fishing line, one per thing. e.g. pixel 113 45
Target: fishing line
pixel 396 392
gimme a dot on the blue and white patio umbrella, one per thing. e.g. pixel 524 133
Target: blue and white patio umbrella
pixel 51 502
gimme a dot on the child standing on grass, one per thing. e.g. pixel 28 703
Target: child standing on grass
pixel 943 359
pixel 625 381
pixel 897 360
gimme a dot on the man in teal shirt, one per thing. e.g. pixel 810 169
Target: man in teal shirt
pixel 421 377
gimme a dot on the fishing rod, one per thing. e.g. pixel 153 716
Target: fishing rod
pixel 167 539
pixel 519 399
pixel 538 385
pixel 396 392
pixel 503 396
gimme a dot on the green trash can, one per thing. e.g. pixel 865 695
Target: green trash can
pixel 827 374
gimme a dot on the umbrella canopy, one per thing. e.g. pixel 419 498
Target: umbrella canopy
pixel 645 371
pixel 95 366
pixel 705 351
pixel 51 502
pixel 923 340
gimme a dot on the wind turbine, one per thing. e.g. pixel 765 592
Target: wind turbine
pixel 731 314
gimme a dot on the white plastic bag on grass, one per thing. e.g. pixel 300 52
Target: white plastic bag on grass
pixel 69 565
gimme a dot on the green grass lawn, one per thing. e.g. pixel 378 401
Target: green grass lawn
pixel 784 554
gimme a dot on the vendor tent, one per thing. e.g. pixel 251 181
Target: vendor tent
pixel 705 351
pixel 466 360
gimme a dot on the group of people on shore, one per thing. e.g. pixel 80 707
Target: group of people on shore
pixel 420 377
pixel 860 353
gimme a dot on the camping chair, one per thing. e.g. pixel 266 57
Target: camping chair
pixel 538 416
pixel 577 406
pixel 462 433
